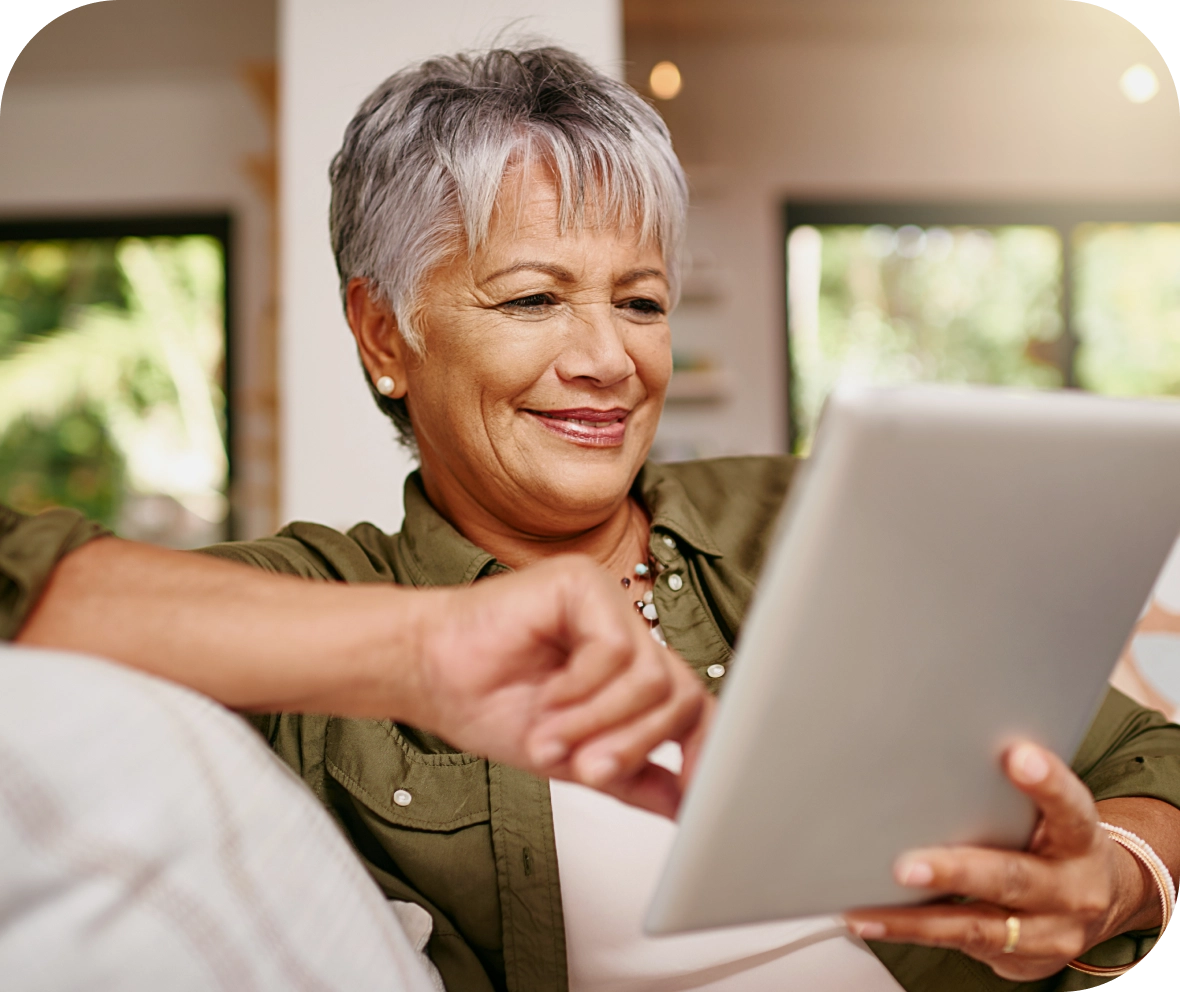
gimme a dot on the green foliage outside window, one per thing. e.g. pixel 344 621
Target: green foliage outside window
pixel 111 364
pixel 1127 308
pixel 69 460
pixel 874 304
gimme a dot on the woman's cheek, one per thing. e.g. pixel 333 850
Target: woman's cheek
pixel 518 356
pixel 655 366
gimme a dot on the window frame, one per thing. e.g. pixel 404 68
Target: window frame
pixel 1063 215
pixel 217 225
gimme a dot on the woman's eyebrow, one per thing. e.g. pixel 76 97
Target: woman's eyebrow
pixel 636 274
pixel 558 273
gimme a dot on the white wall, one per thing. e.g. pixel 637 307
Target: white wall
pixel 971 108
pixel 942 105
pixel 137 107
pixel 340 461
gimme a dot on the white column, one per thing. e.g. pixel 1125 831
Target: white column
pixel 340 462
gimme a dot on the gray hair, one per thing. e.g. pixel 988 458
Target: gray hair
pixel 423 160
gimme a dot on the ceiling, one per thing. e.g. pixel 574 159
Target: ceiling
pixel 133 39
pixel 1057 19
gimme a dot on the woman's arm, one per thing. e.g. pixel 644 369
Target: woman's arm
pixel 544 669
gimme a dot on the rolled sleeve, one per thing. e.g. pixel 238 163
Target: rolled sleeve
pixel 30 548
pixel 1130 751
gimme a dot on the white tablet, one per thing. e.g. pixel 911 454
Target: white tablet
pixel 955 568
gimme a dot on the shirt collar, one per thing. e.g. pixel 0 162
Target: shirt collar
pixel 438 555
pixel 672 509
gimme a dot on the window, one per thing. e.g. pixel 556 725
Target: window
pixel 1017 295
pixel 113 374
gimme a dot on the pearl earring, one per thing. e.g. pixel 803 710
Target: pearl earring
pixel 386 385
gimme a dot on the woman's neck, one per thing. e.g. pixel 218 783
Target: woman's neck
pixel 617 542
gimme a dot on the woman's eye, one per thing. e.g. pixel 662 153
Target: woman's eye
pixel 534 302
pixel 643 306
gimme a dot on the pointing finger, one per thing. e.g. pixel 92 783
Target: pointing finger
pixel 645 685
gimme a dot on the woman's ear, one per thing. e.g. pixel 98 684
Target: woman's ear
pixel 382 348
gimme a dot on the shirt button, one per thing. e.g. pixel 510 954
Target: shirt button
pixel 715 671
pixel 675 582
pixel 403 798
pixel 669 541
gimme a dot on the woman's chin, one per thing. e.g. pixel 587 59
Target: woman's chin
pixel 564 484
pixel 582 489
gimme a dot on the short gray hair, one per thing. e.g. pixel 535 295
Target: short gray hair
pixel 423 160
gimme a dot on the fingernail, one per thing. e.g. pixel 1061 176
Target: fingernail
pixel 549 753
pixel 869 931
pixel 600 770
pixel 1029 765
pixel 914 874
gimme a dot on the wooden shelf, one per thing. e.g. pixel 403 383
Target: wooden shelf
pixel 699 386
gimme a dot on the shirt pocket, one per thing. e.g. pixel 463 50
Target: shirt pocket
pixel 403 784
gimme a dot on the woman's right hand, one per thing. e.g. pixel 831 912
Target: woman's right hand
pixel 548 670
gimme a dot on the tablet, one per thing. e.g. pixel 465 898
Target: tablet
pixel 955 568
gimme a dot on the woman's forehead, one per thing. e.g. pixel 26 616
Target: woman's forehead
pixel 529 217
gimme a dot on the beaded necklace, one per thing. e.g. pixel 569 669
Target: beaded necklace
pixel 645 606
pixel 645 571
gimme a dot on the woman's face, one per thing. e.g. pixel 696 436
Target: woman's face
pixel 547 356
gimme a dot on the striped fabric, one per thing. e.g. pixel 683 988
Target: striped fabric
pixel 150 840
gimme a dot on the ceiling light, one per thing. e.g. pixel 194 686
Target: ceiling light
pixel 1139 84
pixel 665 80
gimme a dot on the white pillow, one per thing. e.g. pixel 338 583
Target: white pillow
pixel 150 840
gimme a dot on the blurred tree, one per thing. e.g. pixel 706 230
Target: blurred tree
pixel 111 356
pixel 41 282
pixel 1127 308
pixel 69 461
pixel 970 305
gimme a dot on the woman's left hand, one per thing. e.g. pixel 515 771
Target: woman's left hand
pixel 1072 889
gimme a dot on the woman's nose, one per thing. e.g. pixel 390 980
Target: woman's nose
pixel 596 349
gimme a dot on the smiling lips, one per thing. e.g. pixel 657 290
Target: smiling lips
pixel 598 428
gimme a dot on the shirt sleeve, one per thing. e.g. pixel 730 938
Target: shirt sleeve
pixel 1130 751
pixel 30 548
pixel 310 551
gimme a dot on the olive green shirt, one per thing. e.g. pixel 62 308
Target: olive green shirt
pixel 30 548
pixel 475 845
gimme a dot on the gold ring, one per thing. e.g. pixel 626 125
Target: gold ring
pixel 1013 924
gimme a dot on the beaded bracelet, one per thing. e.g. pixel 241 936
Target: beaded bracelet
pixel 1143 853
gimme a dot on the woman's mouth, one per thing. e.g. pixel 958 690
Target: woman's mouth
pixel 597 428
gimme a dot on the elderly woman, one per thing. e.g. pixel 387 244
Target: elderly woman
pixel 507 228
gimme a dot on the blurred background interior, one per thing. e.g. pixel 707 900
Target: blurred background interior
pixel 892 190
